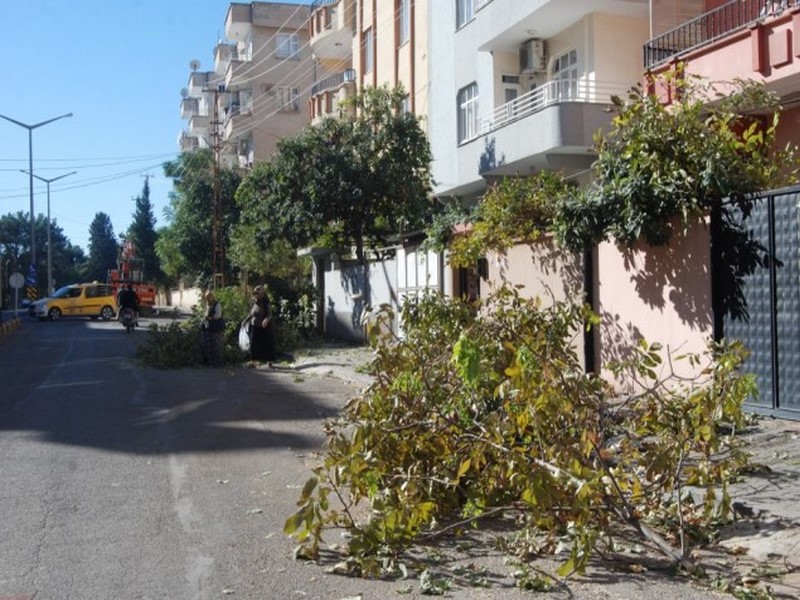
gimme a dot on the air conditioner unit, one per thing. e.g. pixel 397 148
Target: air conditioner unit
pixel 532 57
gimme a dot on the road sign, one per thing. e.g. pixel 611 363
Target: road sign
pixel 16 280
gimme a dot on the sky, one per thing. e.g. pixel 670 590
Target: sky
pixel 118 66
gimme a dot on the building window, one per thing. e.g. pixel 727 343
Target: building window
pixel 404 20
pixel 287 98
pixel 368 49
pixel 468 112
pixel 564 71
pixel 405 105
pixel 287 46
pixel 465 11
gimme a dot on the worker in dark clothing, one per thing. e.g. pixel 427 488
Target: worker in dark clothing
pixel 127 298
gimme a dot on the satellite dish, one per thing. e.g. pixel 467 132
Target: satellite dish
pixel 184 92
pixel 194 64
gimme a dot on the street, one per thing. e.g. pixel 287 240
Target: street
pixel 123 482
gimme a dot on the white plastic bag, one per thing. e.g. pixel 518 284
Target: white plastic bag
pixel 244 337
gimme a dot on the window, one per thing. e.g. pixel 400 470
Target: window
pixel 287 46
pixel 368 49
pixel 405 105
pixel 468 112
pixel 564 70
pixel 404 21
pixel 287 98
pixel 465 11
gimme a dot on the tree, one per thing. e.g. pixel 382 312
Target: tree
pixel 103 248
pixel 349 182
pixel 142 233
pixel 192 208
pixel 68 260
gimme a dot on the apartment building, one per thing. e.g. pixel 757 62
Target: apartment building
pixel 358 44
pixel 368 43
pixel 724 40
pixel 258 90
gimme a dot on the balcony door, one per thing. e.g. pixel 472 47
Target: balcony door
pixel 564 75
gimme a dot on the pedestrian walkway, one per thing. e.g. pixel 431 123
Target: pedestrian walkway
pixel 345 362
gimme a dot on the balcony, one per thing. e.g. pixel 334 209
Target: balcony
pixel 552 92
pixel 334 82
pixel 726 20
pixel 331 26
pixel 551 127
pixel 223 54
pixel 189 107
pixel 188 142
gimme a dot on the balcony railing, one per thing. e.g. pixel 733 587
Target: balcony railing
pixel 711 26
pixel 333 81
pixel 318 3
pixel 553 92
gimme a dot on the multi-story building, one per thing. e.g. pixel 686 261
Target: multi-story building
pixel 259 88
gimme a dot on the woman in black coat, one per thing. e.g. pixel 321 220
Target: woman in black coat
pixel 262 330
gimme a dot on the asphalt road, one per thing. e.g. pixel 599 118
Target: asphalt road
pixel 120 482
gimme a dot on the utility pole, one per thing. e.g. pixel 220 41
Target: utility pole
pixel 32 291
pixel 49 245
pixel 218 243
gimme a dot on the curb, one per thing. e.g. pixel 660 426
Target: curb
pixel 7 327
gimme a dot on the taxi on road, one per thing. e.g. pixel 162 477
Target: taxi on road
pixel 78 300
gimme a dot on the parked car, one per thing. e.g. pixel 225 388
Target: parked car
pixel 91 300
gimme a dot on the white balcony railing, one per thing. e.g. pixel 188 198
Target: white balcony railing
pixel 552 92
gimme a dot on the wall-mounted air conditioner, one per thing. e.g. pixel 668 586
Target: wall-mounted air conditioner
pixel 532 57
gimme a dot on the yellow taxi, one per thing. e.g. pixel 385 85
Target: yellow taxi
pixel 78 300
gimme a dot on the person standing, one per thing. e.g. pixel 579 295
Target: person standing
pixel 213 328
pixel 262 328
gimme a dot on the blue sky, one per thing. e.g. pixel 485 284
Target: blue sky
pixel 118 66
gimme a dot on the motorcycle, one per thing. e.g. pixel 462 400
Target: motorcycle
pixel 128 318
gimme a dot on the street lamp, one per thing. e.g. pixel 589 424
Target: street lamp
pixel 49 251
pixel 30 129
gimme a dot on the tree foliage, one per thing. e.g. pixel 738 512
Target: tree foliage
pixel 192 201
pixel 142 232
pixel 15 243
pixel 477 414
pixel 352 181
pixel 663 165
pixel 103 248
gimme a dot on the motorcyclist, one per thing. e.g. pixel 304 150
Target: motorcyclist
pixel 127 298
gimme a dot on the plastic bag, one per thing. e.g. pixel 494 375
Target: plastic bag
pixel 244 337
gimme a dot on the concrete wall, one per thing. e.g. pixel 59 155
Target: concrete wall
pixel 657 294
pixel 344 288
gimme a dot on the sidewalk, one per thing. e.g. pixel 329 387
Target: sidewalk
pixel 345 362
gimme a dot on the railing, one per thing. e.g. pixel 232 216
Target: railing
pixel 333 81
pixel 549 94
pixel 318 3
pixel 711 26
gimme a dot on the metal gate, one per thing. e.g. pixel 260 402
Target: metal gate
pixel 772 295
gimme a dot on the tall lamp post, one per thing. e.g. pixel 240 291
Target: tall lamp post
pixel 49 250
pixel 30 129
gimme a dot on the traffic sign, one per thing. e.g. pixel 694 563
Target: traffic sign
pixel 16 280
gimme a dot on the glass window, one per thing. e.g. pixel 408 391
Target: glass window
pixel 404 20
pixel 465 10
pixel 564 70
pixel 369 47
pixel 287 46
pixel 287 98
pixel 468 112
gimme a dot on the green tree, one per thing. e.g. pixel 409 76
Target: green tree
pixel 192 209
pixel 142 233
pixel 349 182
pixel 103 248
pixel 68 260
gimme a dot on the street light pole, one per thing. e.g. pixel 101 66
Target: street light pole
pixel 30 129
pixel 49 250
